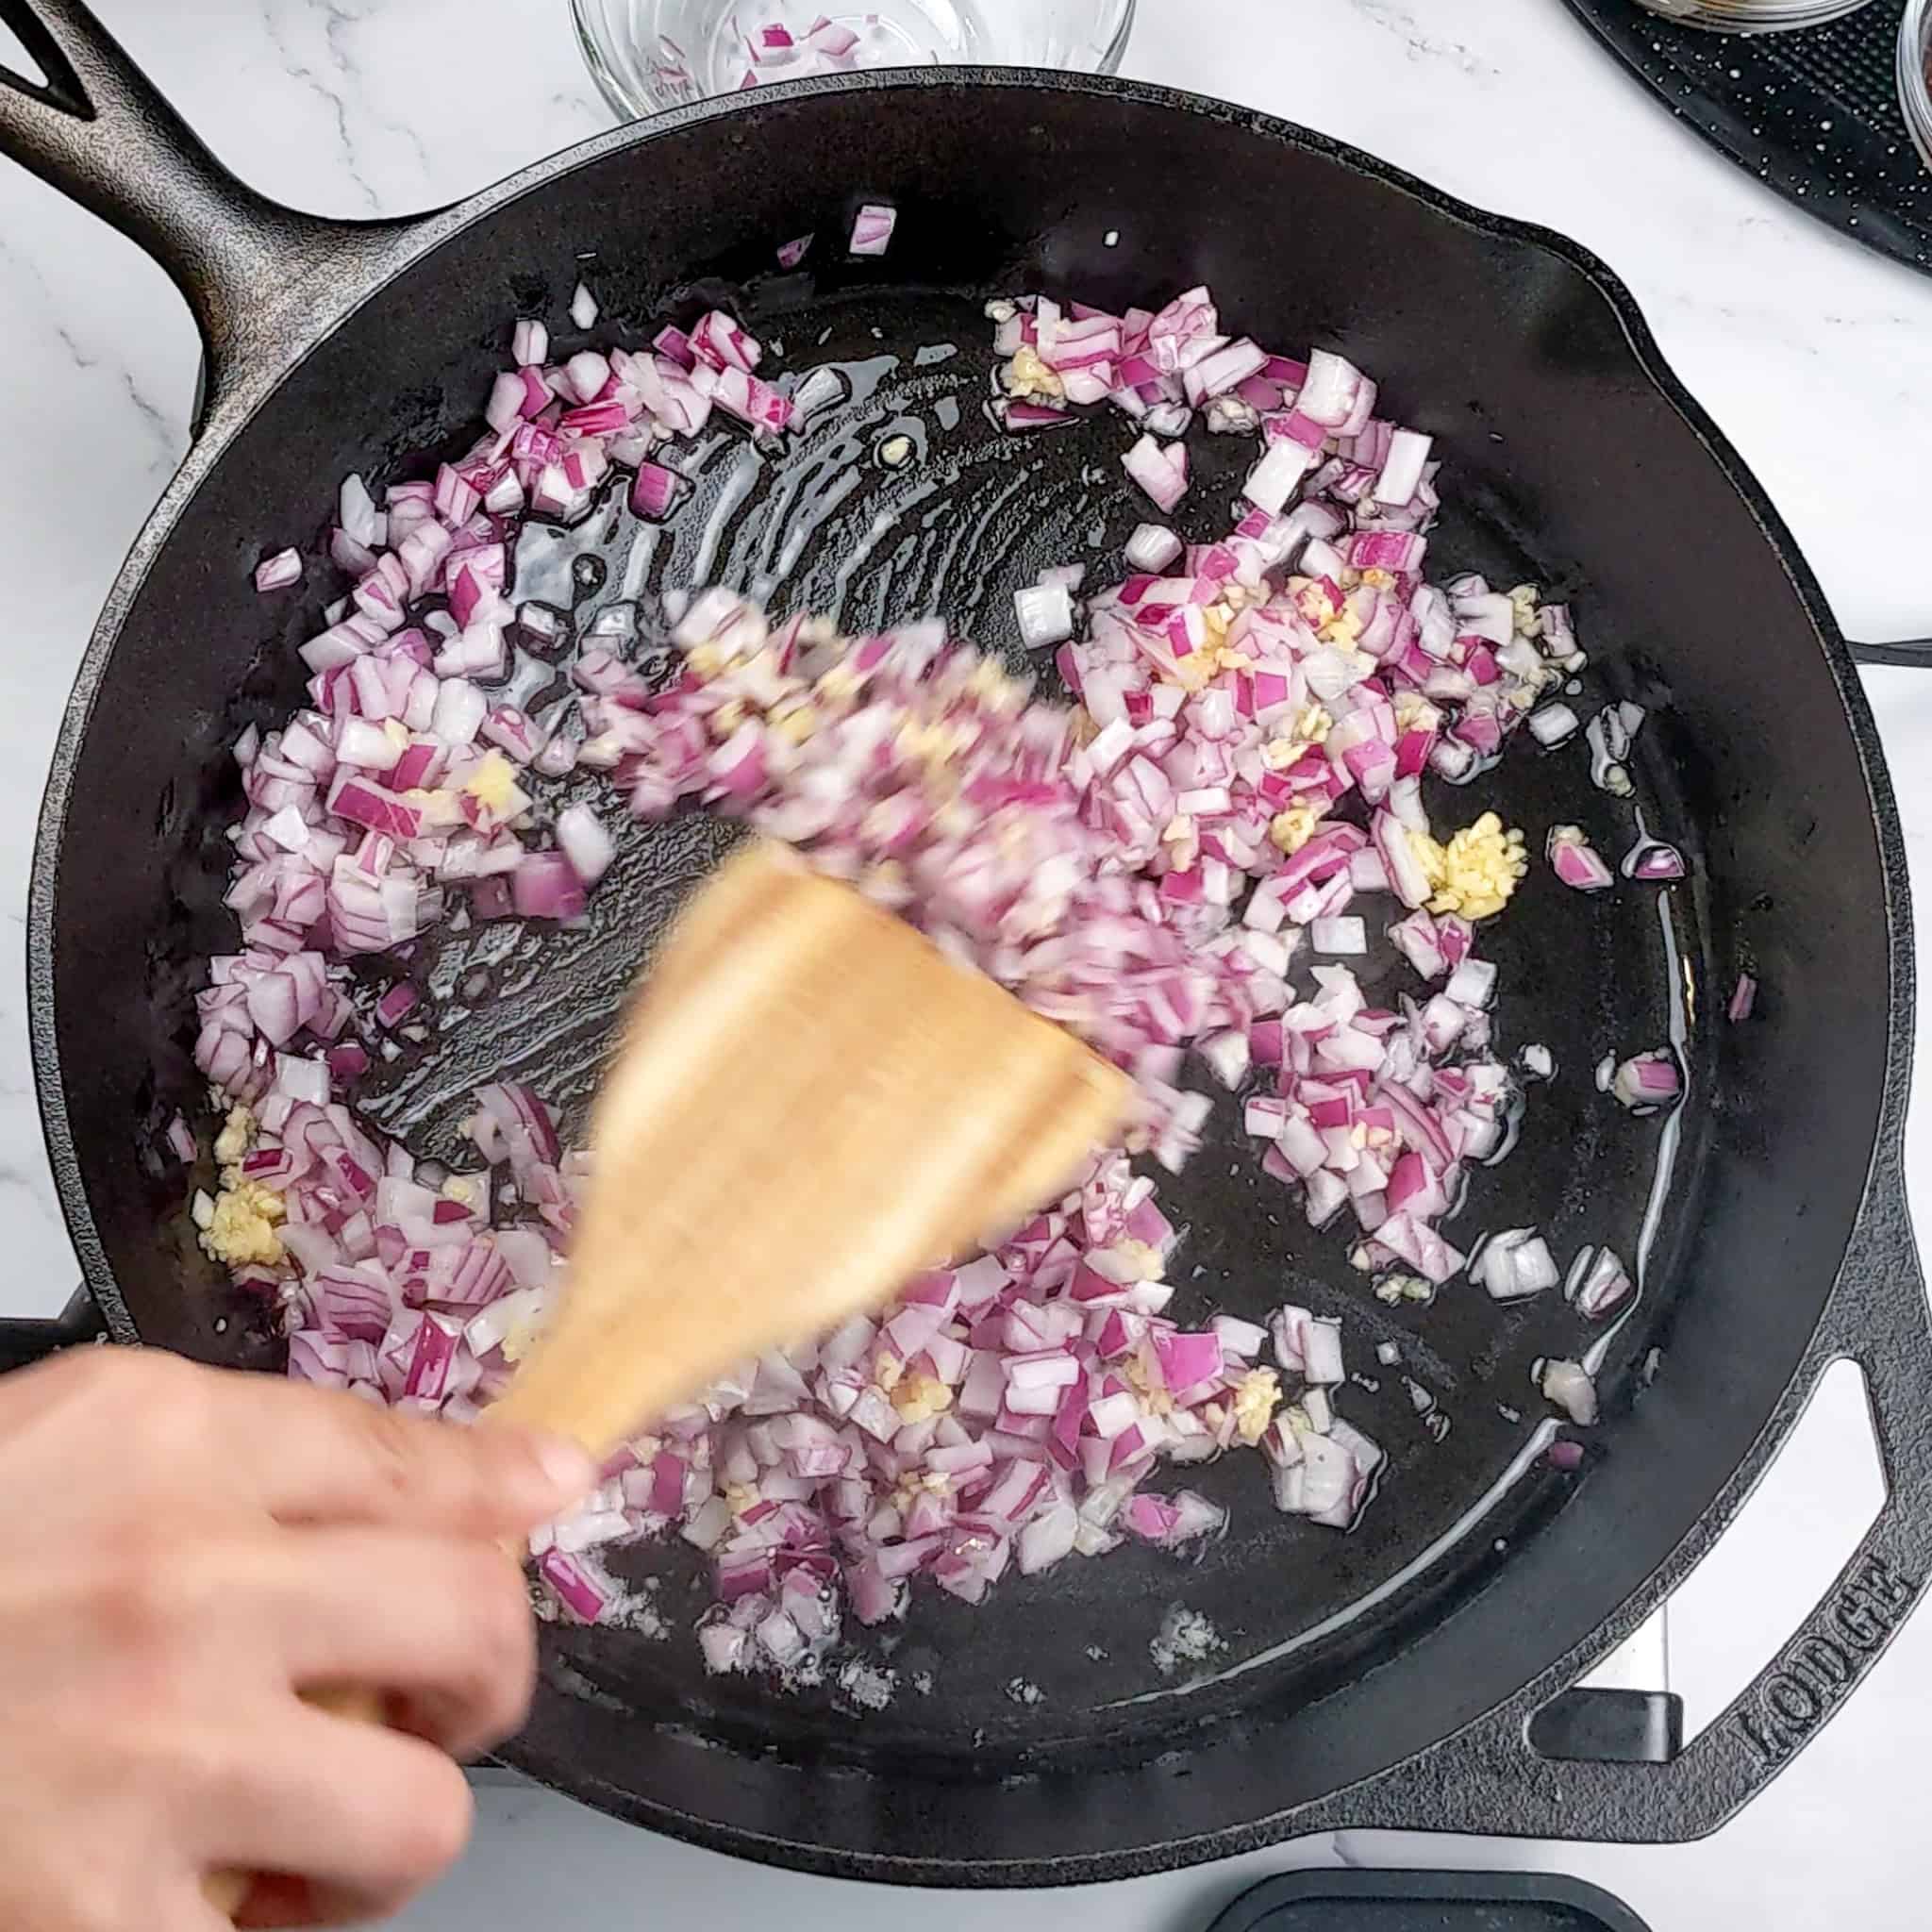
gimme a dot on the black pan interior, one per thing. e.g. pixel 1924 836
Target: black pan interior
pixel 1567 465
pixel 970 519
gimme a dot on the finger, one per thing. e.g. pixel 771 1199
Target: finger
pixel 364 1817
pixel 443 1624
pixel 276 1902
pixel 315 1455
pixel 189 1912
pixel 159 1893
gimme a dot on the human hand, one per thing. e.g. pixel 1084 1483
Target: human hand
pixel 186 1551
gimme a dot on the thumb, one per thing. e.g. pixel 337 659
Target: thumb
pixel 319 1455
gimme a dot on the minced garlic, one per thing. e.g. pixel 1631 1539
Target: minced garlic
pixel 1292 829
pixel 1027 375
pixel 1476 872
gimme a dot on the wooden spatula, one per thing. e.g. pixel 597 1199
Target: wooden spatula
pixel 809 1104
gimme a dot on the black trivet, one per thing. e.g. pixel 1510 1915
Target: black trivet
pixel 1813 114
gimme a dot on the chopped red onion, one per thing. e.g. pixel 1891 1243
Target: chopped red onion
pixel 1610 733
pixel 1159 469
pixel 1046 615
pixel 872 231
pixel 545 885
pixel 654 492
pixel 1653 861
pixel 1648 1080
pixel 1571 1388
pixel 1553 725
pixel 1402 470
pixel 1597 1283
pixel 397 1004
pixel 1273 480
pixel 1743 1000
pixel 278 572
pixel 1348 935
pixel 1576 861
pixel 584 310
pixel 1143 873
pixel 577 1588
pixel 585 843
pixel 356 512
pixel 1515 1264
pixel 1152 548
pixel 1473 983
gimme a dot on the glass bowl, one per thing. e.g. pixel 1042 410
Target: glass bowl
pixel 1915 74
pixel 1752 16
pixel 652 54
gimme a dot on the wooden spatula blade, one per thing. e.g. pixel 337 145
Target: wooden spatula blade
pixel 811 1103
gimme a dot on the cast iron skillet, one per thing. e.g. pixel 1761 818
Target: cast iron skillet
pixel 1390 1677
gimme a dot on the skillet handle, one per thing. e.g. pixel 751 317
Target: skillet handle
pixel 1489 1778
pixel 1915 654
pixel 96 129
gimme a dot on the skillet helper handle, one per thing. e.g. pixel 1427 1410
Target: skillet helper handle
pixel 95 128
pixel 1489 1776
pixel 1879 1319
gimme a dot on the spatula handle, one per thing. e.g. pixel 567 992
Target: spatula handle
pixel 225 1890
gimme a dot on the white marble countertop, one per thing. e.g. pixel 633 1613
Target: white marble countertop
pixel 1815 355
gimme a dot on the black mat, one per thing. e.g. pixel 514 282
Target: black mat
pixel 1813 114
pixel 1331 1901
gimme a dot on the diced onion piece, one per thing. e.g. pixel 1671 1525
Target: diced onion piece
pixel 278 572
pixel 1345 935
pixel 1648 1080
pixel 1553 725
pixel 1515 1265
pixel 1159 469
pixel 585 843
pixel 872 230
pixel 1743 1000
pixel 1576 860
pixel 1152 547
pixel 1653 861
pixel 1046 615
pixel 1598 1282
pixel 1572 1389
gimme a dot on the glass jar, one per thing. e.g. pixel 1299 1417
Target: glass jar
pixel 1751 16
pixel 652 54
pixel 1915 74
